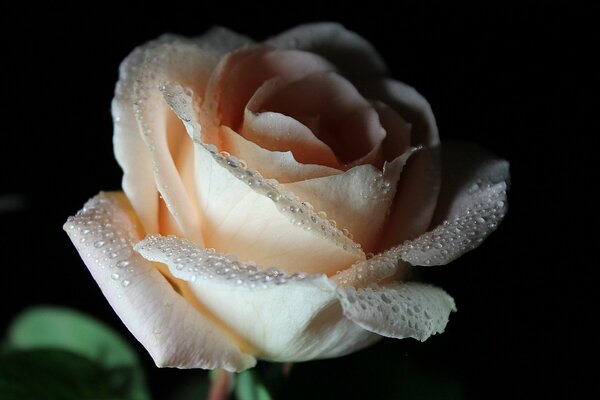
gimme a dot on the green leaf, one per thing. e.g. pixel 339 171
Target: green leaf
pixel 49 327
pixel 249 387
pixel 58 374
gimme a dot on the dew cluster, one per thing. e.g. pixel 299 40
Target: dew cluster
pixel 190 262
pixel 104 239
pixel 373 269
pixel 399 310
pixel 461 233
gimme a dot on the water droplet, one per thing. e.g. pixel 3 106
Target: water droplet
pixel 115 276
pixel 122 263
pixel 99 243
pixel 273 195
pixel 126 283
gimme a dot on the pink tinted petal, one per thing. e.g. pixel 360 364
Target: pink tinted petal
pixel 398 310
pixel 419 187
pixel 277 132
pixel 174 333
pixel 355 56
pixel 334 110
pixel 272 164
pixel 241 73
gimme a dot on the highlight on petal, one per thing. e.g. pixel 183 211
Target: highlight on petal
pixel 130 150
pixel 174 333
pixel 251 216
pixel 354 55
pixel 284 317
pixel 398 310
pixel 472 204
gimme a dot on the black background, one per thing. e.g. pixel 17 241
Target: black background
pixel 511 78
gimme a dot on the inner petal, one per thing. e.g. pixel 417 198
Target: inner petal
pixel 239 74
pixel 278 132
pixel 333 109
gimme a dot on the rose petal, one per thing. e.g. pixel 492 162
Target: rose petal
pixel 286 318
pixel 472 204
pixel 277 132
pixel 174 333
pixel 374 270
pixel 398 310
pixel 345 49
pixel 272 164
pixel 334 110
pixel 397 138
pixel 161 134
pixel 358 200
pixel 221 40
pixel 130 150
pixel 248 215
pixel 241 73
pixel 419 187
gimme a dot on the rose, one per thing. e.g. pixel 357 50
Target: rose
pixel 239 261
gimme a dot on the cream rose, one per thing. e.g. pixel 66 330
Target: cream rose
pixel 275 197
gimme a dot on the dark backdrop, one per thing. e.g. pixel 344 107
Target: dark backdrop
pixel 506 77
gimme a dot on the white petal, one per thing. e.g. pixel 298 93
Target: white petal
pixel 472 204
pixel 174 333
pixel 358 200
pixel 130 150
pixel 284 317
pixel 250 216
pixel 398 310
pixel 419 187
pixel 347 50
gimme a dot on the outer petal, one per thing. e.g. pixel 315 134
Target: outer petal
pixel 156 142
pixel 472 204
pixel 355 56
pixel 251 216
pixel 285 317
pixel 398 310
pixel 130 150
pixel 173 332
pixel 418 190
